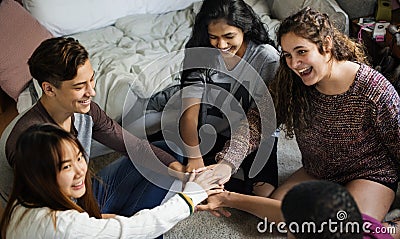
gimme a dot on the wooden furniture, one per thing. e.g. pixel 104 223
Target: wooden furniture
pixel 375 49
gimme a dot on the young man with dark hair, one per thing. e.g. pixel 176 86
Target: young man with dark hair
pixel 65 74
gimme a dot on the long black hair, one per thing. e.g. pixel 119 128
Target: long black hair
pixel 236 13
pixel 38 157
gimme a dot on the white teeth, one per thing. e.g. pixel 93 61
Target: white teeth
pixel 303 70
pixel 226 49
pixel 78 184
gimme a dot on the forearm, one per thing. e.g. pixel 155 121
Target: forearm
pixel 163 156
pixel 190 138
pixel 245 139
pixel 189 134
pixel 259 206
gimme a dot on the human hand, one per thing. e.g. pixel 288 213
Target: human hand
pixel 215 205
pixel 178 170
pixel 194 163
pixel 206 180
pixel 223 170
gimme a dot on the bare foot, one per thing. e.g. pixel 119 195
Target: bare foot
pixel 263 189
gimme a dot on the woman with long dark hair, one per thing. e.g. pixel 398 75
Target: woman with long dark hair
pixel 229 61
pixel 52 195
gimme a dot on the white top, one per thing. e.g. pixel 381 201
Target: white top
pixel 148 223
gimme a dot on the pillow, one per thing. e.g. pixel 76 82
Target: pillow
pixel 63 17
pixel 259 6
pixel 359 8
pixel 20 35
pixel 284 8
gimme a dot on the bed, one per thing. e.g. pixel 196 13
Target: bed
pixel 135 46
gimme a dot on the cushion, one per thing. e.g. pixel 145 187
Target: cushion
pixel 283 8
pixel 259 6
pixel 20 35
pixel 55 15
pixel 358 8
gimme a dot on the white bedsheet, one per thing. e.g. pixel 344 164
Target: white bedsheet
pixel 139 52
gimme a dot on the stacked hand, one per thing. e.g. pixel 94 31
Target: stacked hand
pixel 217 175
pixel 206 180
pixel 215 204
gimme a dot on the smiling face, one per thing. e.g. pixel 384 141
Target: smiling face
pixel 74 96
pixel 71 177
pixel 302 56
pixel 228 39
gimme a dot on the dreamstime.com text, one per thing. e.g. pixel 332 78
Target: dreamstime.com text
pixel 332 226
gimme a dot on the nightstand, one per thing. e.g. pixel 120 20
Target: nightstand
pixel 374 48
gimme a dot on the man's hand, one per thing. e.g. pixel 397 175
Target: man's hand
pixel 194 163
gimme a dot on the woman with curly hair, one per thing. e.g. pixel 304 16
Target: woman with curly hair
pixel 343 113
pixel 345 116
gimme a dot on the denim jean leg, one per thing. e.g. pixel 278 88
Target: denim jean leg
pixel 123 190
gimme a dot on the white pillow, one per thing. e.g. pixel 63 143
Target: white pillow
pixel 66 17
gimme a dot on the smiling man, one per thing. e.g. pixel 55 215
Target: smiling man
pixel 65 74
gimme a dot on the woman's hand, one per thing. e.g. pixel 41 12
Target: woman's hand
pixel 206 180
pixel 222 170
pixel 215 204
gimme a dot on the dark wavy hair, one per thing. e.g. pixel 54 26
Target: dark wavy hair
pixel 38 159
pixel 237 13
pixel 321 202
pixel 289 93
pixel 56 60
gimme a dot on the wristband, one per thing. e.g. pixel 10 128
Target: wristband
pixel 188 201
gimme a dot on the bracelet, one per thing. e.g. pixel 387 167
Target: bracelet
pixel 188 201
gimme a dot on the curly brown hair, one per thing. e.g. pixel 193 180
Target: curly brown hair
pixel 290 95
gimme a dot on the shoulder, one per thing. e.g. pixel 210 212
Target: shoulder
pixel 34 115
pixel 26 221
pixel 96 112
pixel 265 51
pixel 95 108
pixel 374 85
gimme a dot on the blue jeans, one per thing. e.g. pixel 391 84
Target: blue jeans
pixel 121 189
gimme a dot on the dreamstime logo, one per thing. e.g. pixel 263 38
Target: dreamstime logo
pixel 339 225
pixel 341 215
pixel 249 90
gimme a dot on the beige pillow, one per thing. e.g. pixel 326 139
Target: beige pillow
pixel 20 35
pixel 284 8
